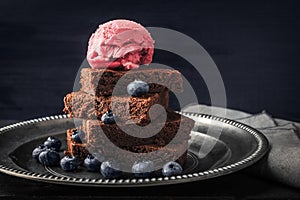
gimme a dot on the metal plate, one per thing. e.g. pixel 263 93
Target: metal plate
pixel 238 146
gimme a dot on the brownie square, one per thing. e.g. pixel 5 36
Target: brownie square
pixel 105 82
pixel 162 133
pixel 86 106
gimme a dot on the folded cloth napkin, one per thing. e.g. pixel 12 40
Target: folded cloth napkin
pixel 282 162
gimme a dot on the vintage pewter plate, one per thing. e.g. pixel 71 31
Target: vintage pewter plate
pixel 238 146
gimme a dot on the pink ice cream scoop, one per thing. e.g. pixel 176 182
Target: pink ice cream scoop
pixel 120 44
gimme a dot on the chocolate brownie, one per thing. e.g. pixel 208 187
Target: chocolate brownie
pixel 86 106
pixel 102 82
pixel 96 132
pixel 81 150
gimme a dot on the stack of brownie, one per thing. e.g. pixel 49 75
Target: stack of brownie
pixel 99 95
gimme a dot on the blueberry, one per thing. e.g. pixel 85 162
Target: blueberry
pixel 53 142
pixel 137 88
pixel 77 135
pixel 49 157
pixel 110 169
pixel 108 117
pixel 69 163
pixel 36 152
pixel 171 169
pixel 91 163
pixel 142 168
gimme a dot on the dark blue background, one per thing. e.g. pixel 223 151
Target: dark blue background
pixel 256 46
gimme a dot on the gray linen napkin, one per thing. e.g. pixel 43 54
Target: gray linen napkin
pixel 282 162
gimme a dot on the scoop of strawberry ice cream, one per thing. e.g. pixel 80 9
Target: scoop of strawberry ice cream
pixel 120 44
